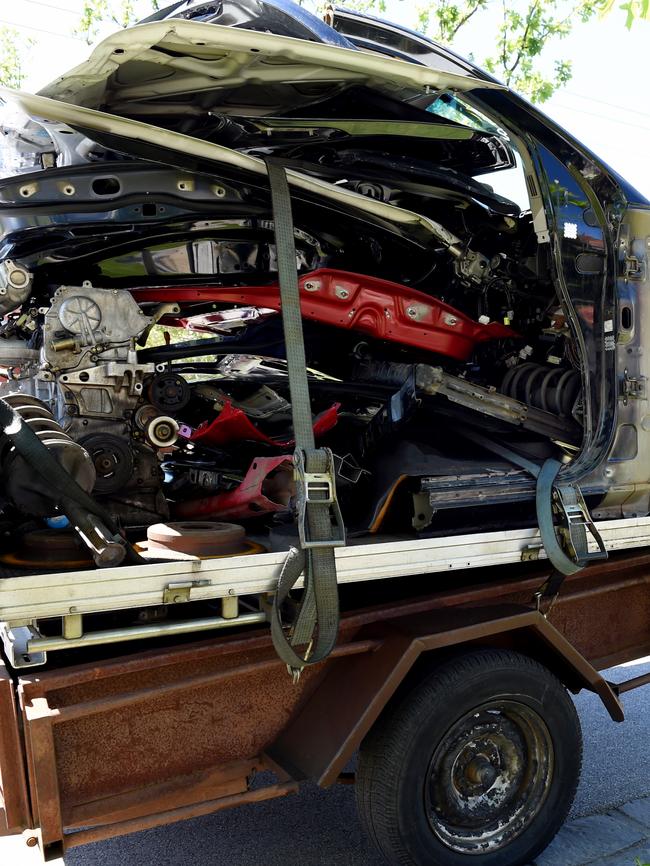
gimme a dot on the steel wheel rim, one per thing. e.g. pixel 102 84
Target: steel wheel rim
pixel 489 777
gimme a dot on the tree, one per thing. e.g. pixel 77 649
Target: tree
pixel 12 49
pixel 95 13
pixel 525 30
pixel 634 10
pixel 522 37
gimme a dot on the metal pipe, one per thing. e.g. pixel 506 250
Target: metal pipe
pixel 16 352
pixel 634 683
pixel 193 810
pixel 117 635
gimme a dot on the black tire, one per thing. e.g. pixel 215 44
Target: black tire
pixel 478 765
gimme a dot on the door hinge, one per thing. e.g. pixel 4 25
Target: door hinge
pixel 633 387
pixel 634 268
pixel 531 553
pixel 177 593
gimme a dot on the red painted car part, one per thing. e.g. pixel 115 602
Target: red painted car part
pixel 257 494
pixel 386 310
pixel 233 425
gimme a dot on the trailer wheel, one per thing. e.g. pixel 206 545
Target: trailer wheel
pixel 477 766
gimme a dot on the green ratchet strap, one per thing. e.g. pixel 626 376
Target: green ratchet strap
pixel 564 498
pixel 316 623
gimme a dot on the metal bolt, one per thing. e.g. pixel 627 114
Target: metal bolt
pixel 481 772
pixel 342 293
pixel 31 842
pixel 311 286
pixel 18 279
pixel 411 312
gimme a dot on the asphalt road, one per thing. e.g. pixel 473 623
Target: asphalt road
pixel 317 827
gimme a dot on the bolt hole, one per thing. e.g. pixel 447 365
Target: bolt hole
pixel 106 186
pixel 626 318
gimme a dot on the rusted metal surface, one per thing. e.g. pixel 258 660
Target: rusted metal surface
pixel 318 742
pixel 138 741
pixel 120 744
pixel 14 799
pixel 121 701
pixel 228 780
pixel 169 736
pixel 603 610
pixel 84 837
pixel 41 754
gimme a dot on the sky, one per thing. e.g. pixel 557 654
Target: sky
pixel 606 104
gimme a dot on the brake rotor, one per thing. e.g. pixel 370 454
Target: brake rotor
pixel 48 548
pixel 198 538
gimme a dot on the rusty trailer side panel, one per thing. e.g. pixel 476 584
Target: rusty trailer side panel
pixel 123 744
pixel 14 799
pixel 156 737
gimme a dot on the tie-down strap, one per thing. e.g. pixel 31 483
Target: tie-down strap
pixel 550 498
pixel 320 525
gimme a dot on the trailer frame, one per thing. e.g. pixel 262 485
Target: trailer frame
pixel 95 750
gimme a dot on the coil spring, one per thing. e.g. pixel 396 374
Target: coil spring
pixel 22 483
pixel 35 413
pixel 553 389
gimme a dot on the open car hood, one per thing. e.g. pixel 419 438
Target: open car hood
pixel 339 25
pixel 173 63
pixel 172 148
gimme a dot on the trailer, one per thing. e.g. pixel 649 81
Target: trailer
pixel 423 404
pixel 448 682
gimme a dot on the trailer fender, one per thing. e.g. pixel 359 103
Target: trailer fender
pixel 328 729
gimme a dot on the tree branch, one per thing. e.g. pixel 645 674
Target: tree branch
pixel 465 19
pixel 522 44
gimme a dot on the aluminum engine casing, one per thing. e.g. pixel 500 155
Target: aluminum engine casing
pixel 85 326
pixel 89 352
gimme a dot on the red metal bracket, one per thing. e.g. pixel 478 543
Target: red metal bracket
pixel 386 310
pixel 255 495
pixel 233 425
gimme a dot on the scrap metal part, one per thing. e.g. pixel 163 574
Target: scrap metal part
pixel 488 401
pixel 15 285
pixel 386 310
pixel 267 488
pixel 199 538
pixel 22 484
pixel 85 324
